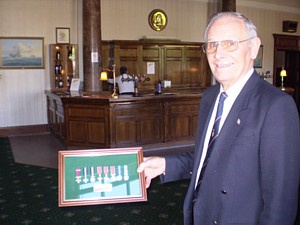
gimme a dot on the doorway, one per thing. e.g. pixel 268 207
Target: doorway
pixel 287 54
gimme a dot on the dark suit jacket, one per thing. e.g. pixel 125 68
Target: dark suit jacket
pixel 252 177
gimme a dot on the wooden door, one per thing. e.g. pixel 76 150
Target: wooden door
pixel 292 65
pixel 287 54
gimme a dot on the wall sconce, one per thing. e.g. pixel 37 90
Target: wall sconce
pixel 282 74
pixel 103 77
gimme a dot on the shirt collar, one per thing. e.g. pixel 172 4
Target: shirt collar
pixel 234 90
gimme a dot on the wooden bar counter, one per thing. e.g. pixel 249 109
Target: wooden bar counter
pixel 96 120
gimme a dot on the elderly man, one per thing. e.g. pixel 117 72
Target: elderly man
pixel 246 163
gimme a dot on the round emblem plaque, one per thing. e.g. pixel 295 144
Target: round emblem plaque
pixel 158 19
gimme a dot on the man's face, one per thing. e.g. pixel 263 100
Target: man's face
pixel 229 67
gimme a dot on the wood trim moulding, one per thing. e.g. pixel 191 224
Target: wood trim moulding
pixel 23 130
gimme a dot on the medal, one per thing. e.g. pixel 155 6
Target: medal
pixel 119 177
pixel 126 176
pixel 99 172
pixel 112 173
pixel 92 175
pixel 85 179
pixel 106 178
pixel 78 176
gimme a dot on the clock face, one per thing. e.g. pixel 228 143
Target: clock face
pixel 158 20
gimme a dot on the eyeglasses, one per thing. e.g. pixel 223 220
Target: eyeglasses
pixel 227 45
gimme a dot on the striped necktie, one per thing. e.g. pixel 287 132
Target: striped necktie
pixel 213 137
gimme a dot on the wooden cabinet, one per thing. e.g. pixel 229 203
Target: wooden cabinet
pixel 63 65
pixel 183 63
pixel 137 123
pixel 181 119
pixel 86 125
pixel 99 121
pixel 55 114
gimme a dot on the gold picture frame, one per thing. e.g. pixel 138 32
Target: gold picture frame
pixel 100 176
pixel 158 19
pixel 22 53
pixel 62 35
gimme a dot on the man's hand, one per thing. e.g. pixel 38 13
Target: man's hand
pixel 153 167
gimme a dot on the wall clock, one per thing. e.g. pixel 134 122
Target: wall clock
pixel 158 19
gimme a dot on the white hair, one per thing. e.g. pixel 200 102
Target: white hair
pixel 251 28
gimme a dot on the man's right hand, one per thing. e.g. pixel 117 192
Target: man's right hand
pixel 152 167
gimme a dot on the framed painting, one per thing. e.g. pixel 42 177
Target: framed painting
pixel 22 53
pixel 100 176
pixel 259 58
pixel 62 35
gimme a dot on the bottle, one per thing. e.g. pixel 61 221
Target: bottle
pixel 59 68
pixel 70 52
pixel 56 82
pixel 61 83
pixel 56 69
pixel 58 54
pixel 158 88
pixel 68 81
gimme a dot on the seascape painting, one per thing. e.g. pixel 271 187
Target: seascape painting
pixel 21 53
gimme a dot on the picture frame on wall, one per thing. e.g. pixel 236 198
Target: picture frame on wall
pixel 259 58
pixel 62 35
pixel 22 53
pixel 100 176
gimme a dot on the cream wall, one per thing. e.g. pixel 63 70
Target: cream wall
pixel 22 99
pixel 128 19
pixel 268 20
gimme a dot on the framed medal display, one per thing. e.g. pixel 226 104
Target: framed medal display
pixel 100 176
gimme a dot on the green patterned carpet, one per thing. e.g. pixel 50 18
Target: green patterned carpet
pixel 28 196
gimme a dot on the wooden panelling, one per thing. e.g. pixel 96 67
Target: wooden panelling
pixel 182 116
pixel 83 132
pixel 126 133
pixel 137 123
pixel 96 131
pixel 88 112
pixel 151 52
pixel 184 64
pixel 77 131
pixel 24 130
pixel 55 114
pixel 174 71
pixel 287 42
pixel 174 52
pixel 131 52
pixel 105 122
pixel 86 125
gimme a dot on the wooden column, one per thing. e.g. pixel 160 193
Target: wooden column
pixel 228 5
pixel 91 44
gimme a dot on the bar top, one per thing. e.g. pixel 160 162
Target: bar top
pixel 106 97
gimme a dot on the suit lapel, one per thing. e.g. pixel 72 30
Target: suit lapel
pixel 206 108
pixel 206 112
pixel 234 122
pixel 231 127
